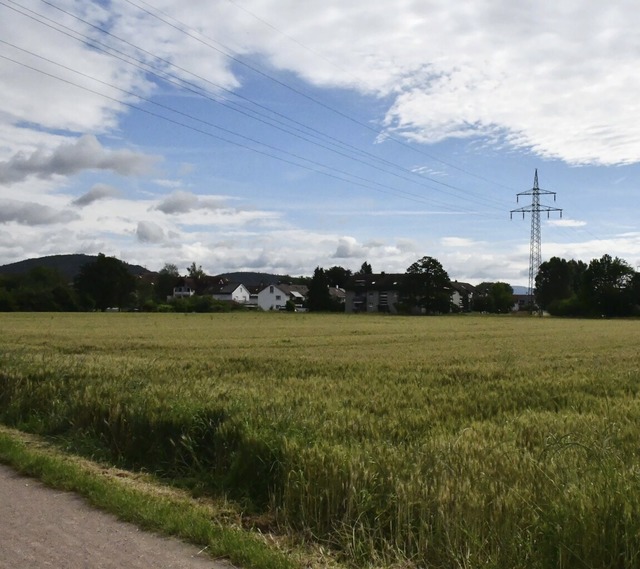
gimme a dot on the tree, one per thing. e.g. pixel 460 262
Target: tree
pixel 168 278
pixel 318 298
pixel 427 286
pixel 502 295
pixel 557 280
pixel 608 286
pixel 365 269
pixel 198 276
pixel 338 276
pixel 104 283
pixel 493 297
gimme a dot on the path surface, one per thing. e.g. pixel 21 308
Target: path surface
pixel 41 527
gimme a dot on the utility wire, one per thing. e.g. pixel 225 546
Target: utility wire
pixel 319 167
pixel 185 29
pixel 197 90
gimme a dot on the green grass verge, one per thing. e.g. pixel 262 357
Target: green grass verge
pixel 133 499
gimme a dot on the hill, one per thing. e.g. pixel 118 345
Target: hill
pixel 255 279
pixel 68 265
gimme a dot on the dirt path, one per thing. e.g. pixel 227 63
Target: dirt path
pixel 41 527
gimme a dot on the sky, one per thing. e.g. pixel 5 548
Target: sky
pixel 282 135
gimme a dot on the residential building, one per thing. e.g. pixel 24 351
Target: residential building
pixel 230 292
pixel 373 293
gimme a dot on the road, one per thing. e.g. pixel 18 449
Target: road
pixel 41 527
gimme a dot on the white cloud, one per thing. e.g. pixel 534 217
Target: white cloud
pixel 149 232
pixel 96 193
pixel 184 202
pixel 86 153
pixel 27 213
pixel 566 222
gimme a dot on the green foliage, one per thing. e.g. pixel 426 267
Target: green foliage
pixel 105 283
pixel 365 269
pixel 439 442
pixel 318 297
pixel 167 279
pixel 427 286
pixel 608 286
pixel 40 290
pixel 493 297
pixel 557 280
pixel 198 277
pixel 338 276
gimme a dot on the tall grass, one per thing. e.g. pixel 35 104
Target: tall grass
pixel 441 442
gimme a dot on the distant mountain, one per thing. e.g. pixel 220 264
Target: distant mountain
pixel 255 279
pixel 68 265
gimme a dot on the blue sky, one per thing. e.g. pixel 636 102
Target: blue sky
pixel 278 135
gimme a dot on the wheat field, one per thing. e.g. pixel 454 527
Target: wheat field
pixel 457 441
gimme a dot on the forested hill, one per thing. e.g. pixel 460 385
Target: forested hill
pixel 248 278
pixel 68 265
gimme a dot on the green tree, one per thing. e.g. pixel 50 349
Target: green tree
pixel 608 287
pixel 365 269
pixel 502 295
pixel 557 280
pixel 338 276
pixel 427 286
pixel 168 278
pixel 318 297
pixel 105 283
pixel 495 297
pixel 198 277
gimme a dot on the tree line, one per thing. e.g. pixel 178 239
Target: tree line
pixel 607 286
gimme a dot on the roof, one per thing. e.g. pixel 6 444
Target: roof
pixel 224 288
pixel 464 288
pixel 382 281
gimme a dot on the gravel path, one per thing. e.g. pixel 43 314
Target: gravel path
pixel 41 527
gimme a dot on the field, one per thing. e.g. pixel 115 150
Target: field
pixel 458 441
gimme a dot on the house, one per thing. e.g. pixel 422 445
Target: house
pixel 230 292
pixel 271 297
pixel 373 293
pixel 381 293
pixel 337 294
pixel 296 294
pixel 181 291
pixel 522 302
pixel 462 296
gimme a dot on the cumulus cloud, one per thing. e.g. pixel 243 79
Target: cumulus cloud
pixel 149 232
pixel 348 248
pixel 184 202
pixel 86 153
pixel 26 213
pixel 96 193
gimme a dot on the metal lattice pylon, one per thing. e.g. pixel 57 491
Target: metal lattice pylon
pixel 535 259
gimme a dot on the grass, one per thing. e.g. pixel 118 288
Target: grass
pixel 457 441
pixel 141 500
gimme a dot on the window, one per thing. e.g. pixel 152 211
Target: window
pixel 270 290
pixel 278 297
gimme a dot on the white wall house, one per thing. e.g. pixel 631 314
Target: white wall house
pixel 232 292
pixel 272 298
pixel 182 291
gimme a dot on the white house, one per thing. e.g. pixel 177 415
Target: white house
pixel 182 291
pixel 232 292
pixel 271 297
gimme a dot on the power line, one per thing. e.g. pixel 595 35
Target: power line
pixel 324 169
pixel 198 90
pixel 185 29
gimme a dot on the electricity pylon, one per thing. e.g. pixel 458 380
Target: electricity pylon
pixel 534 209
